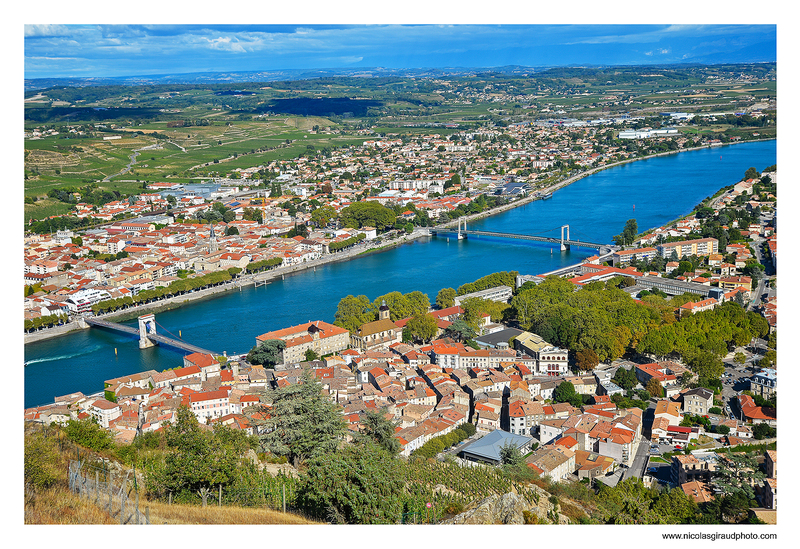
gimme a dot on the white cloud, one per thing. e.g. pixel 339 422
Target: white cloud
pixel 225 43
pixel 46 30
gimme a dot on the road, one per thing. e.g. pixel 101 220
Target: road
pixel 132 161
pixel 637 468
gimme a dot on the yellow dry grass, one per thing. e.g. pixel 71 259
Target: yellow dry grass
pixel 57 505
pixel 163 513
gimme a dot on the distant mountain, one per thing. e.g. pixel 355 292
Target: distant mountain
pixel 754 54
pixel 765 52
pixel 269 76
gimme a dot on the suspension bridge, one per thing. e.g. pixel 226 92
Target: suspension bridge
pixel 564 241
pixel 147 333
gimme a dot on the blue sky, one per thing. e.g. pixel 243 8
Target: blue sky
pixel 95 50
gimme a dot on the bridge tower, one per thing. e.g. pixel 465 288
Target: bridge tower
pixel 460 235
pixel 147 325
pixel 564 246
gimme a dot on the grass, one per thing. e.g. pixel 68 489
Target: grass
pixel 163 513
pixel 45 208
pixel 57 505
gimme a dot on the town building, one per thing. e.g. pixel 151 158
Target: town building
pixel 319 336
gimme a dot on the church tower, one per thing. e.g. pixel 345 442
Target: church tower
pixel 213 246
pixel 383 312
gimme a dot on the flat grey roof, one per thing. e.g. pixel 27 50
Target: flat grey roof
pixel 488 447
pixel 501 336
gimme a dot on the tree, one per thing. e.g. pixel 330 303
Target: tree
pixel 268 353
pixel 460 330
pixel 376 428
pixel 707 365
pixel 446 298
pixel 510 455
pixel 323 215
pixel 298 230
pixel 372 214
pixel 304 423
pixel 311 355
pixel 43 466
pixel 629 502
pixel 673 506
pixel 468 428
pixel 654 388
pixel 353 312
pixel 359 484
pixel 197 460
pixel 762 431
pixel 737 473
pixel 418 302
pixel 751 173
pixel 565 392
pixel 399 307
pixel 625 378
pixel 422 327
pixel 739 358
pixel 628 233
pixel 586 359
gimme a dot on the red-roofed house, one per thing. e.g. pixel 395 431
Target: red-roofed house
pixel 646 371
pixel 753 415
pixel 321 337
pixel 209 366
pixel 104 411
pixel 210 404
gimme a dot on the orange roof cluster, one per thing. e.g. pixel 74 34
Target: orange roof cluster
pixel 300 333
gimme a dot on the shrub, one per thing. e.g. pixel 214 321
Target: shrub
pixel 41 465
pixel 89 434
pixel 468 428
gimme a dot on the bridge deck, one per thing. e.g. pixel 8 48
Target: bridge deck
pixel 522 237
pixel 158 338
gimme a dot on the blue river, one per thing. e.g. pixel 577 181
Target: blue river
pixel 652 191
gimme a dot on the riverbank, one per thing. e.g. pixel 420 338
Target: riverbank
pixel 174 302
pixel 591 171
pixel 358 250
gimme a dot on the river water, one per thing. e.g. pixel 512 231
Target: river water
pixel 653 191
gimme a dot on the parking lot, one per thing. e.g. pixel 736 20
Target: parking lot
pixel 735 379
pixel 659 471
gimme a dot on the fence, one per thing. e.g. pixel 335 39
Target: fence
pixel 117 493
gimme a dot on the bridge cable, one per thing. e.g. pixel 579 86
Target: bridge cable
pixel 170 333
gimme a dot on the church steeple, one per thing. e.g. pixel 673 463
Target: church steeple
pixel 383 312
pixel 213 247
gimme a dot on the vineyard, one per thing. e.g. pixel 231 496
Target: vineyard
pixel 450 487
pixel 433 489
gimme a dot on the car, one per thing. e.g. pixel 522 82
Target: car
pixel 652 469
pixel 677 446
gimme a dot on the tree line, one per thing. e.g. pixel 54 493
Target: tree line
pixel 177 287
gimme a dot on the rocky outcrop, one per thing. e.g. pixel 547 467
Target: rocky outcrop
pixel 272 468
pixel 511 508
